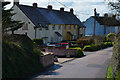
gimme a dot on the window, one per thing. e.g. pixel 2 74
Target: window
pixel 69 27
pixel 59 27
pixel 64 26
pixel 47 27
pixel 53 27
pixel 74 27
pixel 25 27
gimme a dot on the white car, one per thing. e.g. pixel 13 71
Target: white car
pixel 51 44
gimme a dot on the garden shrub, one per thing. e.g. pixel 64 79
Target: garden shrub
pixel 79 53
pixel 111 36
pixel 94 47
pixel 87 48
pixel 83 42
pixel 38 41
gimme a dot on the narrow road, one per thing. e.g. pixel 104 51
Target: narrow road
pixel 93 65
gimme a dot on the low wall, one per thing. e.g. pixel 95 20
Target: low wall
pixel 115 62
pixel 47 60
pixel 62 52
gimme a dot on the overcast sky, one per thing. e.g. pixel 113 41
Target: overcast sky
pixel 82 8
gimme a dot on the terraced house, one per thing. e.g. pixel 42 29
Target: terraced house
pixel 46 23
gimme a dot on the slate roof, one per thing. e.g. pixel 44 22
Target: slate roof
pixel 45 16
pixel 109 21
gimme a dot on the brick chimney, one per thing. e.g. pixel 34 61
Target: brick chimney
pixel 35 5
pixel 16 2
pixel 105 15
pixel 62 9
pixel 49 7
pixel 71 10
pixel 114 16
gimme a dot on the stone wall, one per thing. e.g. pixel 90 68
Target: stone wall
pixel 62 52
pixel 47 60
pixel 115 62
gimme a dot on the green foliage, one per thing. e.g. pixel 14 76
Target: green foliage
pixel 38 41
pixel 83 42
pixel 79 51
pixel 19 62
pixel 8 24
pixel 111 36
pixel 94 47
pixel 109 74
pixel 118 75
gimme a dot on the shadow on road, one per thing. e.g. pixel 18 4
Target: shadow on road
pixel 48 71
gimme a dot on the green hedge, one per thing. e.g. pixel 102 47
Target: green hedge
pixel 19 62
pixel 79 51
pixel 111 36
pixel 83 42
pixel 109 74
pixel 38 41
pixel 94 47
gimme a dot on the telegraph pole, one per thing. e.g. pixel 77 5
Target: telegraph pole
pixel 94 23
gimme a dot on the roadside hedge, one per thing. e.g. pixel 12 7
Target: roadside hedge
pixel 83 42
pixel 79 52
pixel 94 47
pixel 37 41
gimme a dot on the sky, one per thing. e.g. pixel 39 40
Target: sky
pixel 83 9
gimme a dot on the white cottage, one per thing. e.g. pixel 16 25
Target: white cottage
pixel 47 23
pixel 104 25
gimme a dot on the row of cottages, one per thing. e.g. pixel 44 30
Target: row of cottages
pixel 104 25
pixel 49 24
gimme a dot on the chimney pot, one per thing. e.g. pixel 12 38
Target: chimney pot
pixel 71 10
pixel 49 7
pixel 16 2
pixel 35 5
pixel 114 16
pixel 62 9
pixel 105 15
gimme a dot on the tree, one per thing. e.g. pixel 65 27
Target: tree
pixel 8 24
pixel 115 6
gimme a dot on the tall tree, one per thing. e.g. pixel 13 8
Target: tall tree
pixel 8 24
pixel 115 6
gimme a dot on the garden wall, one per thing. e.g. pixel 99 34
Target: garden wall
pixel 62 52
pixel 47 60
pixel 115 62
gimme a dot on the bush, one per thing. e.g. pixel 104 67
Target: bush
pixel 111 36
pixel 83 42
pixel 92 47
pixel 38 41
pixel 87 48
pixel 79 51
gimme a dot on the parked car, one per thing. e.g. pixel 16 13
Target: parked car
pixel 51 44
pixel 61 45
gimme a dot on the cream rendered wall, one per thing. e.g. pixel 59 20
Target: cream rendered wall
pixel 117 29
pixel 50 34
pixel 22 17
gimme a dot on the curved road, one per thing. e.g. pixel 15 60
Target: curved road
pixel 93 65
